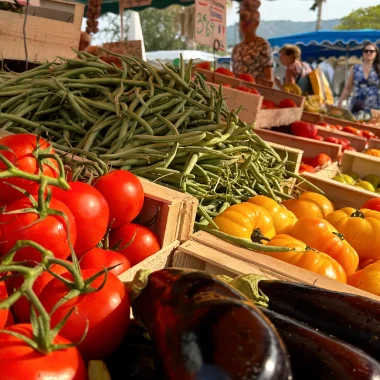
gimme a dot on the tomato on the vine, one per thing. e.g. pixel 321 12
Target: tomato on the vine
pixel 22 155
pixel 135 242
pixel 124 194
pixel 90 211
pixel 51 232
pixel 20 361
pixel 106 312
pixel 98 258
pixel 21 308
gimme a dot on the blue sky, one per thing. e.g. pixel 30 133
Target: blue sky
pixel 298 10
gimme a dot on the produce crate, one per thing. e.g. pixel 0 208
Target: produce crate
pixel 373 144
pixel 211 254
pixel 357 142
pixel 309 147
pixel 52 29
pixel 217 78
pixel 341 194
pixel 250 103
pixel 315 118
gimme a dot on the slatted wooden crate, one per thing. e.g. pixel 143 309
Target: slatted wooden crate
pixel 211 254
pixel 315 118
pixel 309 147
pixel 52 29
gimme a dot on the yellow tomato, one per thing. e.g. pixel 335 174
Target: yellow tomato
pixel 361 228
pixel 244 219
pixel 373 152
pixel 306 258
pixel 309 204
pixel 283 219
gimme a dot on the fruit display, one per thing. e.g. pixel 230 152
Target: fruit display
pixel 370 182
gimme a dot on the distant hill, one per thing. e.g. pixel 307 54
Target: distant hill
pixel 269 29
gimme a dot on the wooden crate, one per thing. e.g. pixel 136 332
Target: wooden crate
pixel 315 118
pixel 309 147
pixel 234 82
pixel 211 254
pixel 51 30
pixel 373 144
pixel 250 103
pixel 162 259
pixel 341 194
pixel 357 142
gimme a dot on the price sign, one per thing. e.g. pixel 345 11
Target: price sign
pixel 210 22
pixel 136 3
pixel 125 48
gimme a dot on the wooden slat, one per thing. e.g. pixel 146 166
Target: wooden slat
pixel 46 38
pixel 309 147
pixel 236 260
pixel 360 163
pixel 357 142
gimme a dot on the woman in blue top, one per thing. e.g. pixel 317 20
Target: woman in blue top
pixel 364 79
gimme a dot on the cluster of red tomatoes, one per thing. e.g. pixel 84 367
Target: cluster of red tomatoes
pixel 84 215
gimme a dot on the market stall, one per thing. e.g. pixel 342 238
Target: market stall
pixel 137 200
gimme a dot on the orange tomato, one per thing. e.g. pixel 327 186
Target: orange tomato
pixel 309 204
pixel 303 257
pixel 319 234
pixel 367 279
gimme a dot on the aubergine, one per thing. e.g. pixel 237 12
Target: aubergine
pixel 349 317
pixel 204 329
pixel 316 356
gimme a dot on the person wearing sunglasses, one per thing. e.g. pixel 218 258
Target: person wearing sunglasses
pixel 254 54
pixel 364 81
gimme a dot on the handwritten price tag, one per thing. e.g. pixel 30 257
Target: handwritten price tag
pixel 125 48
pixel 210 22
pixel 136 3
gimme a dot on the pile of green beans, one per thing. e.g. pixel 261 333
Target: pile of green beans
pixel 157 123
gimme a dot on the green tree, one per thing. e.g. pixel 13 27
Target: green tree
pixel 363 18
pixel 317 6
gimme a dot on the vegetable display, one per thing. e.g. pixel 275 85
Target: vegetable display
pixel 158 124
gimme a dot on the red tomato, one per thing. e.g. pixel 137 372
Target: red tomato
pixel 124 194
pixel 344 142
pixel 287 103
pixel 323 124
pixel 247 78
pixel 10 320
pixel 135 242
pixel 268 104
pixel 203 65
pixel 368 134
pixel 334 127
pixel 223 71
pixel 306 168
pixel 372 204
pixel 226 85
pixel 333 140
pixel 50 232
pixel 319 138
pixel 106 312
pixel 307 160
pixel 321 160
pixel 242 88
pixel 353 130
pixel 3 312
pixel 253 91
pixel 339 127
pixel 23 148
pixel 19 361
pixel 91 214
pixel 21 308
pixel 99 259
pixel 351 148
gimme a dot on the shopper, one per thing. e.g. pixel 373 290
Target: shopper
pixel 364 82
pixel 254 54
pixel 290 57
